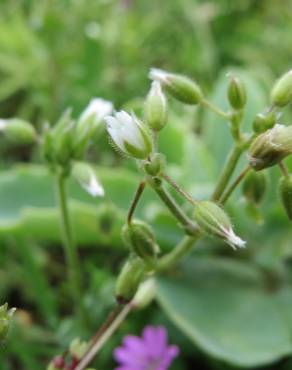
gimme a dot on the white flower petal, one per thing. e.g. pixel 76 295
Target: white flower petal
pixel 94 187
pixel 233 240
pixel 158 75
pixel 97 107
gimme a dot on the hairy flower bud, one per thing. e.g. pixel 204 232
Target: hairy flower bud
pixel 180 87
pixel 254 186
pixel 156 107
pixel 129 279
pixel 264 121
pixel 236 93
pixel 281 94
pixel 129 135
pixel 5 320
pixel 18 131
pixel 285 192
pixel 84 174
pixel 271 147
pixel 141 240
pixel 155 165
pixel 214 221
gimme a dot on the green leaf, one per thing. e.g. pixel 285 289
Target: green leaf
pixel 228 309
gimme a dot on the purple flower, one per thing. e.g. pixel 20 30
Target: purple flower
pixel 150 352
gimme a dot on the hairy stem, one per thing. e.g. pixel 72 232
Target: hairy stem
pixel 70 249
pixel 233 186
pixel 174 208
pixel 135 201
pixel 228 170
pixel 215 109
pixel 182 192
pixel 116 321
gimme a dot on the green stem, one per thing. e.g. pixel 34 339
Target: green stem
pixel 229 167
pixel 135 201
pixel 182 192
pixel 174 208
pixel 178 252
pixel 215 109
pixel 234 185
pixel 70 249
pixel 284 169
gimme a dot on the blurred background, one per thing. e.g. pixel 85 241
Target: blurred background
pixel 56 54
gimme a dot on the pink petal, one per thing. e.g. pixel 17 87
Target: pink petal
pixel 127 357
pixel 155 340
pixel 135 344
pixel 170 354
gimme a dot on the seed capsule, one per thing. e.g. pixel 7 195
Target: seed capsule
pixel 254 187
pixel 285 192
pixel 214 221
pixel 180 87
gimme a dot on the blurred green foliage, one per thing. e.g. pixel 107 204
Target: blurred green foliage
pixel 60 53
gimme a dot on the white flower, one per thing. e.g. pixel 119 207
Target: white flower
pixel 159 75
pixel 97 108
pixel 85 176
pixel 232 239
pixel 129 135
pixel 93 186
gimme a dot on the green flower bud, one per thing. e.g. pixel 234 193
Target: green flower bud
pixel 141 240
pixel 5 320
pixel 215 222
pixel 281 94
pixel 285 192
pixel 264 121
pixel 18 131
pixel 155 166
pixel 129 279
pixel 84 174
pixel 271 147
pixel 78 348
pixel 254 186
pixel 180 87
pixel 236 93
pixel 156 107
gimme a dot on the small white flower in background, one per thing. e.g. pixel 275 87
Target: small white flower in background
pixel 85 176
pixel 159 75
pixel 232 239
pixel 97 108
pixel 129 135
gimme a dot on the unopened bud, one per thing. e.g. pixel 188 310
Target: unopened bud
pixel 271 147
pixel 57 363
pixel 156 107
pixel 264 121
pixel 254 186
pixel 78 348
pixel 214 221
pixel 281 94
pixel 129 279
pixel 141 240
pixel 5 320
pixel 285 192
pixel 155 165
pixel 180 87
pixel 84 174
pixel 18 131
pixel 236 93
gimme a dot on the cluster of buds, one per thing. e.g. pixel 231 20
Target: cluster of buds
pixel 69 138
pixel 5 320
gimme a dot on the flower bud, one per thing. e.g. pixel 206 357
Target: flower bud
pixel 156 164
pixel 141 240
pixel 95 112
pixel 129 279
pixel 18 131
pixel 281 94
pixel 5 320
pixel 129 135
pixel 236 93
pixel 78 348
pixel 264 121
pixel 214 221
pixel 180 87
pixel 270 147
pixel 254 186
pixel 285 192
pixel 84 174
pixel 156 107
pixel 57 363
